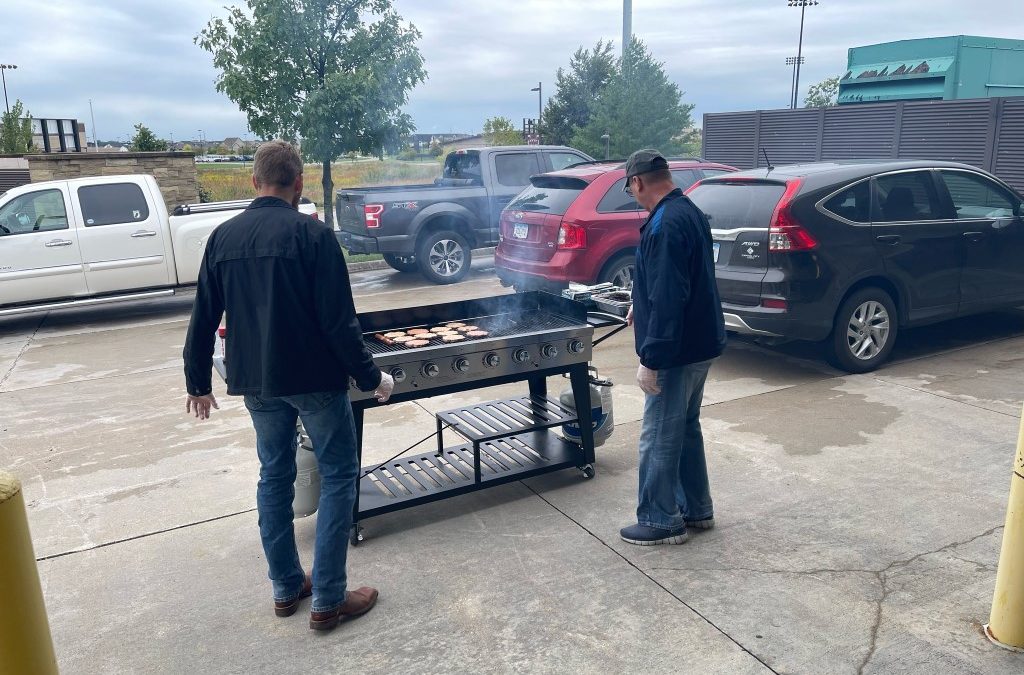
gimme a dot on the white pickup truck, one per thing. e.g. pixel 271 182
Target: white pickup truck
pixel 84 241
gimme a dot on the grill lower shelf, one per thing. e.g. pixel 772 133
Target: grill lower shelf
pixel 497 419
pixel 426 478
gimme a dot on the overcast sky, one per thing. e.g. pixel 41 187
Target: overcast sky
pixel 136 60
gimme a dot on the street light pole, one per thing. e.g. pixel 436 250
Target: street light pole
pixel 95 138
pixel 3 68
pixel 802 4
pixel 540 105
pixel 607 145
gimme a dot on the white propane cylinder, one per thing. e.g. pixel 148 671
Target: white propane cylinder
pixel 307 478
pixel 602 413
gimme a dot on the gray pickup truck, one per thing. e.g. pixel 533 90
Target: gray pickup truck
pixel 433 228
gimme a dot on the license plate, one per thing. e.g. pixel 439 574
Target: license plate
pixel 715 247
pixel 521 231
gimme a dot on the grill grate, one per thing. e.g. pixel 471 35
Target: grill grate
pixel 496 419
pixel 498 326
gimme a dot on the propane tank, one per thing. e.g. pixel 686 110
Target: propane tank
pixel 602 413
pixel 307 478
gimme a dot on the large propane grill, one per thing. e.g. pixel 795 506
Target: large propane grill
pixel 497 326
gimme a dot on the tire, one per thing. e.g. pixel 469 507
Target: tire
pixel 620 271
pixel 864 331
pixel 404 264
pixel 444 257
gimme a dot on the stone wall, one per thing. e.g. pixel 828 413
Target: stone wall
pixel 175 172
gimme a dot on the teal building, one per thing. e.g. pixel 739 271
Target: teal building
pixel 943 68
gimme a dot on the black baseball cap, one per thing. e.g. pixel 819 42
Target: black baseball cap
pixel 645 161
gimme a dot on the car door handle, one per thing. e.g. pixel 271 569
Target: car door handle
pixel 974 236
pixel 891 239
pixel 143 233
pixel 54 243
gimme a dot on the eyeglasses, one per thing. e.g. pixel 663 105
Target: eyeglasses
pixel 628 186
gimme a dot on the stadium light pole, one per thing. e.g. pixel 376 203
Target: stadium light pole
pixel 4 67
pixel 803 5
pixel 791 61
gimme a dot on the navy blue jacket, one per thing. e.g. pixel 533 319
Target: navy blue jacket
pixel 281 278
pixel 677 314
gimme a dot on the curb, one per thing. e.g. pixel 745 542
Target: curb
pixel 371 265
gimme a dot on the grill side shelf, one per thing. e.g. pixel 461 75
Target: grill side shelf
pixel 506 417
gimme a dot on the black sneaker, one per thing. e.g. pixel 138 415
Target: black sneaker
pixel 641 535
pixel 702 524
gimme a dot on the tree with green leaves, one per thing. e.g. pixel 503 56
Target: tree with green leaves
pixel 640 108
pixel 501 131
pixel 576 92
pixel 145 140
pixel 825 94
pixel 334 73
pixel 16 130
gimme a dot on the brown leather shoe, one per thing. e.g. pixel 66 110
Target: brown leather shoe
pixel 288 608
pixel 357 603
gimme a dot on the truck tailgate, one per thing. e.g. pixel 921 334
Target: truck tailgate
pixel 349 212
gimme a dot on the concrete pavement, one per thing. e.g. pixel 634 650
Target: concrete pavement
pixel 858 516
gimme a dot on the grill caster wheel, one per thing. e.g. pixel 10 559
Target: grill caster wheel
pixel 356 536
pixel 588 471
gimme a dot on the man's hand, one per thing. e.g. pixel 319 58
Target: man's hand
pixel 384 389
pixel 201 405
pixel 648 380
pixel 629 316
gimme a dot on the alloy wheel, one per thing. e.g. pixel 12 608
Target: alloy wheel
pixel 868 330
pixel 446 257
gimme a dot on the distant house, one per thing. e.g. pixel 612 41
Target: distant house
pixel 233 144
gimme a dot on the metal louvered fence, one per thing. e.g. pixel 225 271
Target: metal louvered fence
pixel 986 133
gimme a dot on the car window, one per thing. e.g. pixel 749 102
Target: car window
pixel 616 200
pixel 730 206
pixel 463 166
pixel 560 160
pixel 41 211
pixel 977 197
pixel 853 203
pixel 546 199
pixel 515 169
pixel 904 197
pixel 112 204
pixel 684 178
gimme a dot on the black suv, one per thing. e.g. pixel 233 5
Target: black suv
pixel 851 252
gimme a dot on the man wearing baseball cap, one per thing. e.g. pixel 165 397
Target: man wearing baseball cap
pixel 677 320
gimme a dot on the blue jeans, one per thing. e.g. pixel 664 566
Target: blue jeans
pixel 327 419
pixel 673 471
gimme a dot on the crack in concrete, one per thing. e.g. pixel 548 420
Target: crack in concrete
pixel 951 399
pixel 24 348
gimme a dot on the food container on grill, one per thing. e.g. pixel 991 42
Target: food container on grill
pixel 614 302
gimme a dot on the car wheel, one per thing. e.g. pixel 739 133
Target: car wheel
pixel 864 331
pixel 620 271
pixel 444 257
pixel 402 263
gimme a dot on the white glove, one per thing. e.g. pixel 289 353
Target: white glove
pixel 384 389
pixel 629 316
pixel 648 380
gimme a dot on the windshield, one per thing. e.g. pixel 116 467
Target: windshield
pixel 547 199
pixel 729 206
pixel 463 165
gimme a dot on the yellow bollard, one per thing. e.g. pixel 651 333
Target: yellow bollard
pixel 25 643
pixel 1005 625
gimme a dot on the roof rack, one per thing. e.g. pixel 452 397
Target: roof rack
pixel 213 207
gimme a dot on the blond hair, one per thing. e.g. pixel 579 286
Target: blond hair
pixel 278 163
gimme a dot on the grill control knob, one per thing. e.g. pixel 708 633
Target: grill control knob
pixel 520 356
pixel 398 375
pixel 461 365
pixel 492 360
pixel 549 351
pixel 576 346
pixel 431 370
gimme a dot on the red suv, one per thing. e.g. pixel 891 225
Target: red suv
pixel 577 225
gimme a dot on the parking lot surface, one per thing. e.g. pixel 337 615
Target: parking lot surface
pixel 859 517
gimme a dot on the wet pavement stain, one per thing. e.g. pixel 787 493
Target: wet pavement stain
pixel 836 420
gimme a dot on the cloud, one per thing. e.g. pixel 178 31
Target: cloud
pixel 136 60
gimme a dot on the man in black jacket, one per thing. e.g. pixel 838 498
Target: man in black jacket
pixel 677 320
pixel 293 342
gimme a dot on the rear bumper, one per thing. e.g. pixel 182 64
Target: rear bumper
pixel 796 323
pixel 529 282
pixel 563 268
pixel 359 243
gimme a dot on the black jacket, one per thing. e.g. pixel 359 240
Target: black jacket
pixel 280 277
pixel 677 314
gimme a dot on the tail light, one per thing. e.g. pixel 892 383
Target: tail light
pixel 774 303
pixel 572 236
pixel 372 213
pixel 785 233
